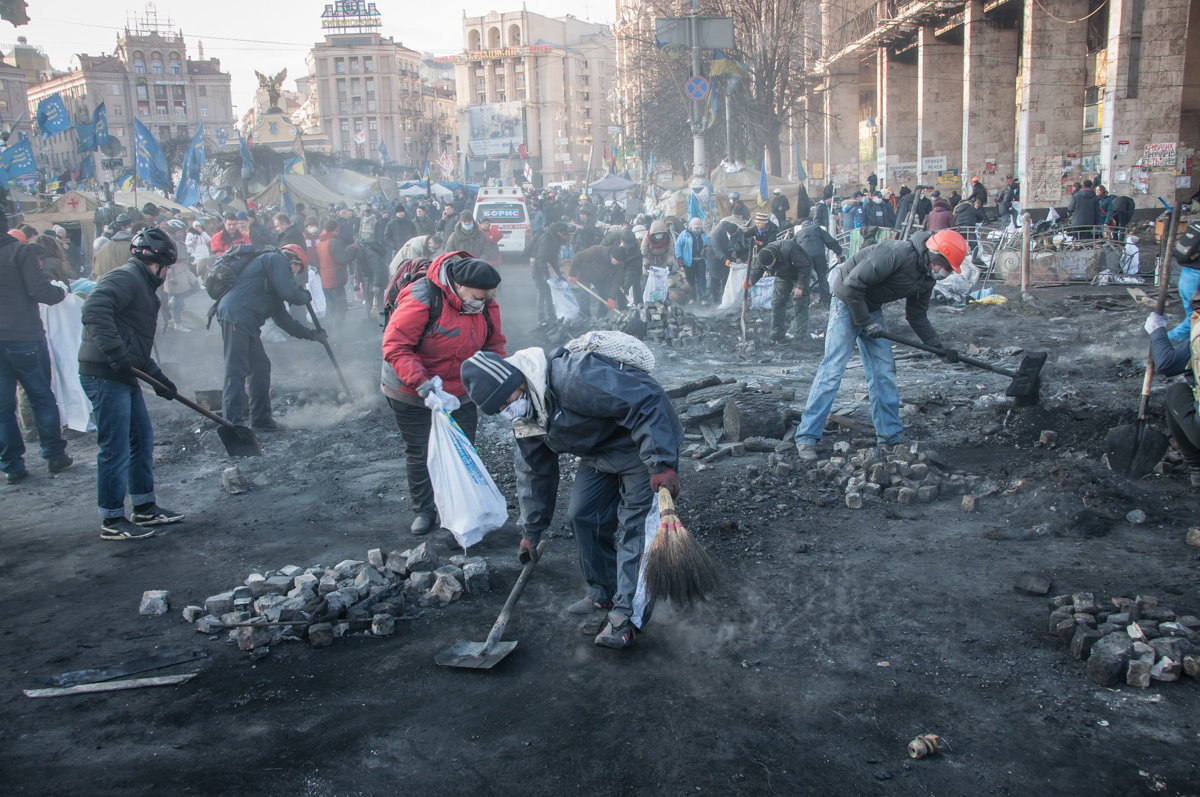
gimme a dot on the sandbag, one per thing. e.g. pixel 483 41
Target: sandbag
pixel 318 294
pixel 566 306
pixel 731 299
pixel 658 284
pixel 614 345
pixel 467 500
pixel 761 293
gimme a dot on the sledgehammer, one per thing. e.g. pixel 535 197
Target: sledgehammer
pixel 1026 380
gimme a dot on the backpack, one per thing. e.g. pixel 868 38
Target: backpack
pixel 225 271
pixel 414 270
pixel 1187 248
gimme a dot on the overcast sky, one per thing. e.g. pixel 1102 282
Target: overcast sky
pixel 266 35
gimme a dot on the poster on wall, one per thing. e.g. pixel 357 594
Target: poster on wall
pixel 1159 156
pixel 899 174
pixel 496 129
pixel 1045 178
pixel 936 164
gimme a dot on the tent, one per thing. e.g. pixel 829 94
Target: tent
pixel 71 210
pixel 301 188
pixel 418 189
pixel 612 184
pixel 359 186
pixel 126 198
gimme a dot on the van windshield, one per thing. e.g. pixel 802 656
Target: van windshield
pixel 501 212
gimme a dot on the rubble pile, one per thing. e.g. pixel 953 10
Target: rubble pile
pixel 1136 642
pixel 320 603
pixel 668 325
pixel 904 475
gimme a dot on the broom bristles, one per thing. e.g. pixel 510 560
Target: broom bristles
pixel 677 566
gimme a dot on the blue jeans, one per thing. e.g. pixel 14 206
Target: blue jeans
pixel 1188 280
pixel 27 363
pixel 126 459
pixel 840 337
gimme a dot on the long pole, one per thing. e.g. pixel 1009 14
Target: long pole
pixel 728 127
pixel 700 164
pixel 1025 236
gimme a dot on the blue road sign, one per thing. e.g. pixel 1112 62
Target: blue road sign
pixel 697 87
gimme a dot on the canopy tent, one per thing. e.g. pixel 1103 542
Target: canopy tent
pixel 612 184
pixel 418 189
pixel 361 187
pixel 127 198
pixel 301 188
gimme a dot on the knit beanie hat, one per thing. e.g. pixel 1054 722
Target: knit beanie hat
pixel 489 381
pixel 472 272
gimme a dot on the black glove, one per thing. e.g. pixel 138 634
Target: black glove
pixel 123 367
pixel 948 355
pixel 526 552
pixel 168 390
pixel 307 296
pixel 873 330
pixel 319 335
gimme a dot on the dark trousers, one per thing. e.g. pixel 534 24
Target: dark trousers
pixel 414 422
pixel 126 439
pixel 335 306
pixel 697 277
pixel 545 304
pixel 27 364
pixel 614 517
pixel 1182 421
pixel 245 362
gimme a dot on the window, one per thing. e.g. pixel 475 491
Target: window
pixel 482 83
pixel 1093 107
pixel 354 64
pixel 180 108
pixel 514 35
pixel 368 64
pixel 493 38
pixel 139 66
pixel 116 89
pixel 177 92
pixel 371 106
pixel 141 93
pixel 500 97
pixel 355 87
pixel 160 92
pixel 117 110
pixel 202 91
pixel 339 66
pixel 203 112
pixel 482 99
pixel 156 67
pixel 473 40
pixel 160 108
pixel 175 68
pixel 370 85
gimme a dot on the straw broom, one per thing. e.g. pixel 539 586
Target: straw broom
pixel 677 566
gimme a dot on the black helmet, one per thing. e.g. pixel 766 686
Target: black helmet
pixel 152 245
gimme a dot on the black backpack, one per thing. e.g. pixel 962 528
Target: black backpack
pixel 1187 248
pixel 408 272
pixel 228 267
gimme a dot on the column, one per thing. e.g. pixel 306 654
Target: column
pixel 989 98
pixel 898 123
pixel 841 122
pixel 939 102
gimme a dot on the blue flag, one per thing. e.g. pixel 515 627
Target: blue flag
pixel 100 124
pixel 800 174
pixel 52 116
pixel 383 151
pixel 188 191
pixel 289 207
pixel 125 182
pixel 86 133
pixel 247 158
pixel 86 170
pixel 694 209
pixel 17 160
pixel 149 162
pixel 94 134
pixel 762 182
pixel 650 167
pixel 425 177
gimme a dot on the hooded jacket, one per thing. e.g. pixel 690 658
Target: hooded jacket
pixel 23 286
pixel 660 255
pixel 966 215
pixel 409 360
pixel 886 272
pixel 1084 208
pixel 332 255
pixel 814 241
pixel 261 288
pixel 112 255
pixel 689 245
pixel 472 241
pixel 941 217
pixel 120 317
pixel 614 417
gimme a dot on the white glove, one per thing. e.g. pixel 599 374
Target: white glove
pixel 1155 321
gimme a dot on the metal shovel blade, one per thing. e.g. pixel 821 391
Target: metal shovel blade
pixel 239 441
pixel 1133 449
pixel 1026 385
pixel 474 655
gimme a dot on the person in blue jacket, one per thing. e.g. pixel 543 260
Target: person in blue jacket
pixel 689 251
pixel 1180 403
pixel 619 421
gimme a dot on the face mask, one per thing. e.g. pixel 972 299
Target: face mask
pixel 472 306
pixel 516 410
pixel 468 227
pixel 313 230
pixel 877 201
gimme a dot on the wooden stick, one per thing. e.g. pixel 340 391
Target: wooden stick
pixel 112 686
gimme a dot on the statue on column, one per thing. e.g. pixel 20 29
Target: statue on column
pixel 272 85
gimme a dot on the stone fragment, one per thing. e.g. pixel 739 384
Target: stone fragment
pixel 267 604
pixel 880 476
pixel 1158 614
pixel 326 585
pixel 1189 621
pixel 1135 516
pixel 1048 437
pixel 337 603
pixel 367 577
pixel 906 495
pixel 253 636
pixel 1144 652
pixel 1138 674
pixel 1119 618
pixel 1166 669
pixel 841 447
pixel 1109 660
pixel 969 503
pixel 1172 647
pixel 421 558
pixel 1147 602
pixel 291 571
pixel 476 577
pixel 1083 640
pixel 926 493
pixel 1135 632
pixel 233 482
pixel 258 654
pixel 854 500
pixel 1059 601
pixel 449 570
pixel 192 613
pixel 1172 629
pixel 234 618
pixel 219 604
pixel 1193 536
pixel 320 635
pixel 208 624
pixel 257 584
pixel 872 490
pixel 383 625
pixel 305 582
pixel 784 469
pixel 446 589
pixel 397 563
pixel 347 568
pixel 459 559
pixel 154 602
pixel 1084 602
pixel 278 585
pixel 891 494
pixel 421 580
pixel 1083 618
pixel 1191 665
pixel 1031 584
pixel 375 558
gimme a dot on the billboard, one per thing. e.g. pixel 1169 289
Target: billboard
pixel 495 129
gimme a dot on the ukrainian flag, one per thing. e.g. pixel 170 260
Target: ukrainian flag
pixel 125 182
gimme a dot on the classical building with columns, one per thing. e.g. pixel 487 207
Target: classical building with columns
pixel 1050 91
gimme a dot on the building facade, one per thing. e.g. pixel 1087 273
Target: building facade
pixel 149 78
pixel 940 91
pixel 535 92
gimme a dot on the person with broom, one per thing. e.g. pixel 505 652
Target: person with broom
pixel 622 425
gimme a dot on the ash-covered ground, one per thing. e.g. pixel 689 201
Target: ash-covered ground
pixel 835 637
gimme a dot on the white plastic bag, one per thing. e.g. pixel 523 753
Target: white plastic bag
pixel 731 299
pixel 467 499
pixel 318 294
pixel 566 306
pixel 761 293
pixel 657 285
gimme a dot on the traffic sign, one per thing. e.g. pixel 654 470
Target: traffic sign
pixel 697 87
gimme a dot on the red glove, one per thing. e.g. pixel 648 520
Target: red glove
pixel 611 304
pixel 745 285
pixel 526 553
pixel 665 478
pixel 572 279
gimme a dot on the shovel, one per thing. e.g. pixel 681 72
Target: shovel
pixel 486 655
pixel 239 441
pixel 328 349
pixel 1026 380
pixel 1133 449
pixel 575 281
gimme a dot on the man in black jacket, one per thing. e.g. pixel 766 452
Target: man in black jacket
pixel 618 420
pixel 814 241
pixel 288 231
pixel 120 317
pixel 25 358
pixel 872 277
pixel 400 230
pixel 262 286
pixel 543 264
pixel 792 268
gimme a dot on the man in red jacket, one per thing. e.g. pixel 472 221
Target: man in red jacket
pixel 333 255
pixel 457 295
pixel 228 237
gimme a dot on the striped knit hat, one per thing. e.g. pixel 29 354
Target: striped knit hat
pixel 489 381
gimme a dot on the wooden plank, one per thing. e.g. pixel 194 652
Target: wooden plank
pixel 111 686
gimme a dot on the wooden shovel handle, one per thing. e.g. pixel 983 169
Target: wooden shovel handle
pixel 154 383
